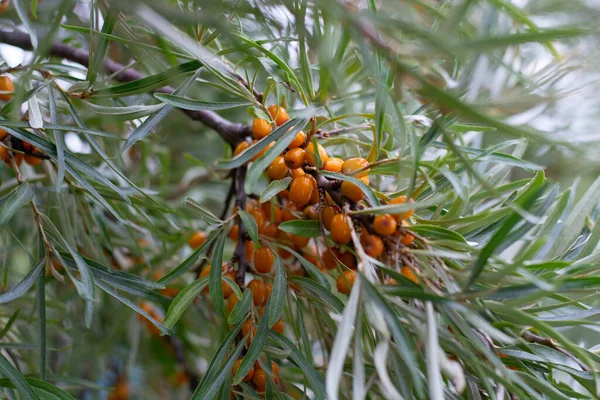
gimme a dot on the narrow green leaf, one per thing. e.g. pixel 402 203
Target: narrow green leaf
pixel 256 346
pixel 182 301
pixel 9 323
pixel 122 112
pixel 24 17
pixel 198 105
pixel 17 379
pixel 299 227
pixel 278 293
pixel 204 212
pixel 250 224
pixel 216 290
pixel 274 188
pixel 370 196
pixel 26 283
pixel 19 197
pixel 240 311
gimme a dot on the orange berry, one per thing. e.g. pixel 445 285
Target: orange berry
pixel 372 245
pixel 405 214
pixel 268 290
pixel 352 191
pixel 197 240
pixel 249 250
pixel 32 160
pixel 236 366
pixel 240 147
pixel 327 214
pixel 311 212
pixel 4 5
pixel 279 327
pixel 278 114
pixel 231 302
pixel 296 172
pixel 408 273
pixel 277 169
pixel 121 389
pixel 299 241
pixel 295 158
pixel 270 231
pixel 260 128
pixel 340 230
pixel 3 134
pixel 4 156
pixel 407 239
pixel 348 260
pixel 259 217
pixel 272 212
pixel 234 232
pixel 260 380
pixel 300 190
pixel 329 258
pixel 6 85
pixel 263 260
pixel 258 291
pixel 311 158
pixel 298 140
pixel 227 290
pixel 354 164
pixel 314 196
pixel 345 282
pixel 384 224
pixel 18 158
pixel 288 215
pixel 249 328
pixel 333 165
pixel 263 151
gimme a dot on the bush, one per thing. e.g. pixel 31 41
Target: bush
pixel 296 199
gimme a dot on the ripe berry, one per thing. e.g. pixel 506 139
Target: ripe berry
pixel 288 215
pixel 297 172
pixel 249 328
pixel 329 258
pixel 4 5
pixel 248 376
pixel 314 196
pixel 277 169
pixel 260 128
pixel 263 151
pixel 407 239
pixel 234 232
pixel 240 147
pixel 268 290
pixel 298 140
pixel 258 291
pixel 311 158
pixel 354 164
pixel 263 260
pixel 406 214
pixel 311 212
pixel 299 241
pixel 345 282
pixel 348 260
pixel 384 224
pixel 3 134
pixel 32 160
pixel 272 212
pixel 372 245
pixel 231 302
pixel 295 158
pixel 260 380
pixel 227 290
pixel 270 231
pixel 352 191
pixel 197 240
pixel 333 165
pixel 300 190
pixel 340 230
pixel 4 156
pixel 259 217
pixel 279 327
pixel 408 273
pixel 249 250
pixel 327 215
pixel 278 114
pixel 6 85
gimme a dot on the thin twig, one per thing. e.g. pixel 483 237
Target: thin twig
pixel 553 344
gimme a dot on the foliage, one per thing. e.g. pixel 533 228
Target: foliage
pixel 135 109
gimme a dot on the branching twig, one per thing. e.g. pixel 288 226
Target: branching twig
pixel 231 132
pixel 553 344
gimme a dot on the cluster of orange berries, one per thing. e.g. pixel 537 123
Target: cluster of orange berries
pixel 257 375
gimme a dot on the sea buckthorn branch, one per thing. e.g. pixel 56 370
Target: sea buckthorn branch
pixel 231 132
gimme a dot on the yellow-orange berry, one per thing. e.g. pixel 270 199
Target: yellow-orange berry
pixel 352 191
pixel 288 215
pixel 327 214
pixel 279 327
pixel 268 290
pixel 249 250
pixel 258 291
pixel 278 114
pixel 345 282
pixel 263 260
pixel 409 274
pixel 277 169
pixel 231 302
pixel 348 260
pixel 263 151
pixel 197 240
pixel 121 389
pixel 234 232
pixel 329 258
pixel 6 85
pixel 314 195
pixel 311 212
pixel 240 147
pixel 259 217
pixel 297 172
pixel 227 290
pixel 236 367
pixel 272 212
pixel 333 164
pixel 295 158
pixel 299 241
pixel 3 134
pixel 372 245
pixel 270 231
pixel 249 329
pixel 384 224
pixel 406 214
pixel 260 380
pixel 4 156
pixel 260 128
pixel 311 153
pixel 340 230
pixel 354 164
pixel 300 190
pixel 32 160
pixel 298 140
pixel 407 239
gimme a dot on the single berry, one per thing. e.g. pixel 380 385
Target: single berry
pixel 311 154
pixel 258 291
pixel 278 114
pixel 407 239
pixel 240 147
pixel 295 158
pixel 327 215
pixel 372 245
pixel 354 164
pixel 279 327
pixel 234 232
pixel 236 367
pixel 260 128
pixel 340 230
pixel 301 189
pixel 260 380
pixel 352 191
pixel 6 85
pixel 263 151
pixel 333 165
pixel 345 282
pixel 268 290
pixel 277 169
pixel 408 273
pixel 263 260
pixel 311 212
pixel 297 172
pixel 298 140
pixel 32 160
pixel 231 302
pixel 403 215
pixel 384 224
pixel 197 240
